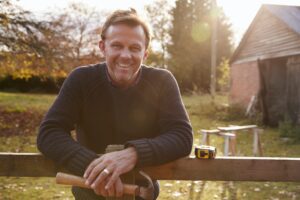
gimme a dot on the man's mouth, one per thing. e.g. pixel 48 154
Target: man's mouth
pixel 122 66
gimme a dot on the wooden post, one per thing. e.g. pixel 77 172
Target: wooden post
pixel 256 135
pixel 207 140
pixel 206 135
pixel 257 147
pixel 204 138
pixel 232 142
pixel 126 178
pixel 255 141
pixel 260 131
pixel 226 145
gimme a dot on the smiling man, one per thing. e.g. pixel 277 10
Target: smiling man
pixel 124 49
pixel 120 101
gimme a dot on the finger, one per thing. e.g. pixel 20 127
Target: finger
pixel 111 191
pixel 119 188
pixel 100 178
pixel 104 192
pixel 99 190
pixel 112 180
pixel 91 167
pixel 96 171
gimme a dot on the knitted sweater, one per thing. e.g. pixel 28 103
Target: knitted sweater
pixel 149 116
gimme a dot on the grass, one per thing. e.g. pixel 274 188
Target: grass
pixel 32 188
pixel 203 114
pixel 20 102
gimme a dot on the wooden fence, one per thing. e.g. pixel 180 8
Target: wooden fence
pixel 218 169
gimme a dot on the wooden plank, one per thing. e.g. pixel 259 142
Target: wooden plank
pixel 236 128
pixel 219 169
pixel 229 169
pixel 206 133
pixel 213 131
pixel 26 165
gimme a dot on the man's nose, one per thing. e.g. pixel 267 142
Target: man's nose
pixel 125 53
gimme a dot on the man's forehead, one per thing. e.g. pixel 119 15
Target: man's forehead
pixel 125 29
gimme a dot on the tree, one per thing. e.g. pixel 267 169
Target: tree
pixel 40 53
pixel 160 20
pixel 19 31
pixel 83 30
pixel 21 43
pixel 190 47
pixel 51 47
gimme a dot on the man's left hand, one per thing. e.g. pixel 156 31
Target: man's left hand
pixel 108 168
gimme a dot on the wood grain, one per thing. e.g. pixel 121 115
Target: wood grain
pixel 219 169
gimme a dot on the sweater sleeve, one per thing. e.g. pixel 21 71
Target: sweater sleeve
pixel 175 132
pixel 54 139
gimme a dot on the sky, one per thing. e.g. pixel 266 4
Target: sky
pixel 239 12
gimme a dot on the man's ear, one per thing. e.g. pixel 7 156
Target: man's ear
pixel 102 46
pixel 146 54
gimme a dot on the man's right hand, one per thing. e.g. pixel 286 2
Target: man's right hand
pixel 115 191
pixel 103 174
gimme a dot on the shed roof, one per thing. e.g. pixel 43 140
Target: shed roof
pixel 289 15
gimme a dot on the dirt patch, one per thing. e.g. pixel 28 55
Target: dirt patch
pixel 15 122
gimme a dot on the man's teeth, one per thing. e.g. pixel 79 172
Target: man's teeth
pixel 124 66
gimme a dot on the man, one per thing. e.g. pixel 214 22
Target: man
pixel 119 101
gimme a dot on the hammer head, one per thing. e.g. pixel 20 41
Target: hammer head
pixel 147 193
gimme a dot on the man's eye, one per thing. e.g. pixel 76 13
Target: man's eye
pixel 117 46
pixel 135 49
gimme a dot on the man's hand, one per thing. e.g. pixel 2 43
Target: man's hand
pixel 103 174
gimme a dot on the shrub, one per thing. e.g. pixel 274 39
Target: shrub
pixel 34 84
pixel 289 129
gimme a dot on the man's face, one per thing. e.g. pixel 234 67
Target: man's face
pixel 124 49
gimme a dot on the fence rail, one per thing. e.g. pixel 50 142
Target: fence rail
pixel 219 169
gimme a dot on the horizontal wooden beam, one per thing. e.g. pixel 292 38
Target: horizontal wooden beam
pixel 219 169
pixel 236 128
pixel 229 169
pixel 26 165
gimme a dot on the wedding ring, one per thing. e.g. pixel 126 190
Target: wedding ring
pixel 106 171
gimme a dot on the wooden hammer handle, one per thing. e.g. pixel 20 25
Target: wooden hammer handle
pixel 69 179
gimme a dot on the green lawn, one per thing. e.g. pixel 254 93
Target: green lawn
pixel 21 102
pixel 203 114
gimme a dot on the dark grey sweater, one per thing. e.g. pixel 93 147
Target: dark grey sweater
pixel 149 116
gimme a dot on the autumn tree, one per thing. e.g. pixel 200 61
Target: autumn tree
pixel 46 49
pixel 82 28
pixel 20 39
pixel 19 30
pixel 53 46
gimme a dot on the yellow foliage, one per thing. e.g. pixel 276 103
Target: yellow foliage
pixel 23 73
pixel 59 74
pixel 223 75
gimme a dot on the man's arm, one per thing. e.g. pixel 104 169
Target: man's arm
pixel 54 139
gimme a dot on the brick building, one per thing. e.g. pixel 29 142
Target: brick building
pixel 266 64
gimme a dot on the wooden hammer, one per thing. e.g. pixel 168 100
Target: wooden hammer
pixel 146 193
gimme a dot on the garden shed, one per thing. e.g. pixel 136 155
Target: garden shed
pixel 266 64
